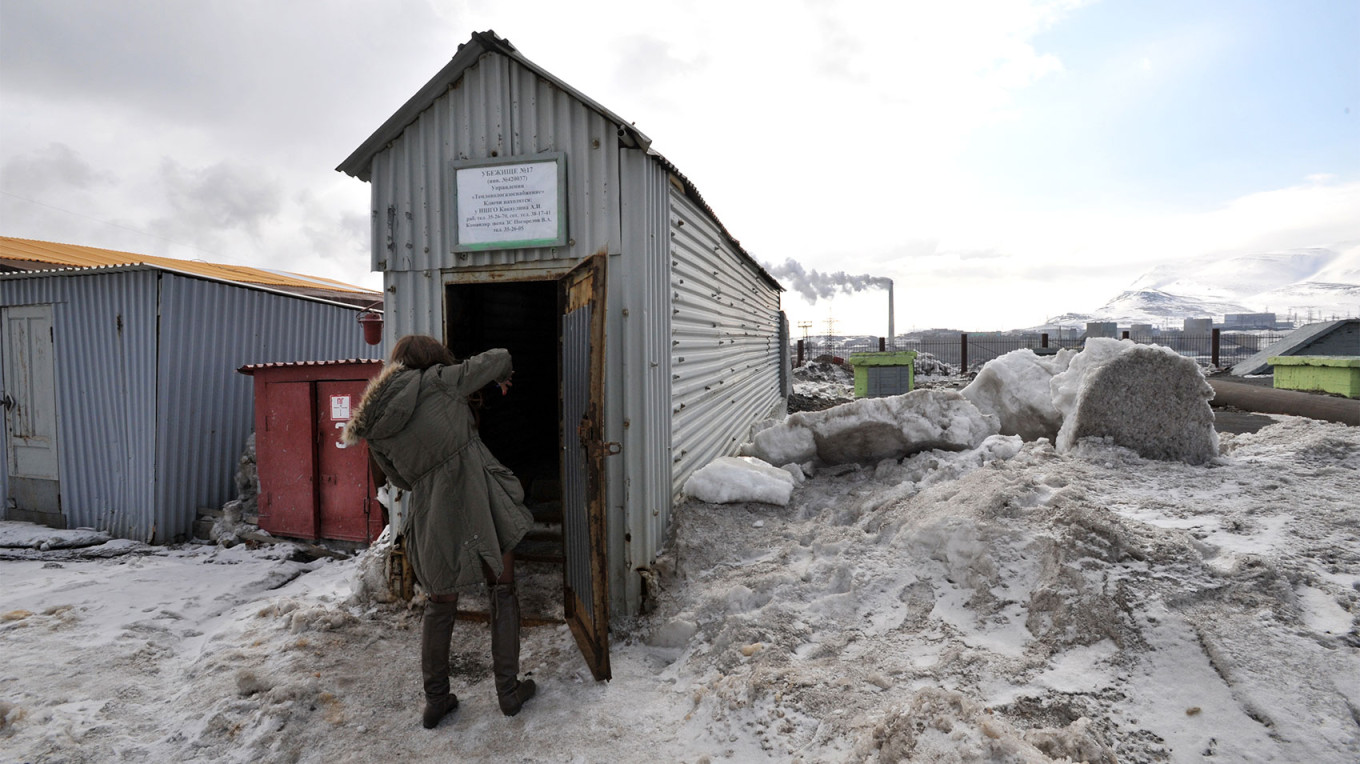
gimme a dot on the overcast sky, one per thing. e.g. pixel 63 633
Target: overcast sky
pixel 1002 160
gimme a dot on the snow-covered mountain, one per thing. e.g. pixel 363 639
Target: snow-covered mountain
pixel 1237 278
pixel 1305 284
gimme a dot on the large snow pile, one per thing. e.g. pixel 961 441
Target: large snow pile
pixel 1014 388
pixel 928 365
pixel 1003 603
pixel 872 429
pixel 1144 397
pixel 820 385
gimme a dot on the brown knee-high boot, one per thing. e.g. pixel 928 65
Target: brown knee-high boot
pixel 510 691
pixel 435 632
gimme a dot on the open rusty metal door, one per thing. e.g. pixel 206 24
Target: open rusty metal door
pixel 584 530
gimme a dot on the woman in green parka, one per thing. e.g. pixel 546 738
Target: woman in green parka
pixel 466 510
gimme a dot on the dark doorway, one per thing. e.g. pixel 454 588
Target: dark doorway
pixel 549 429
pixel 520 428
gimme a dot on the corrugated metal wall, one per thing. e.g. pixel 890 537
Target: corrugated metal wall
pixel 498 108
pixel 206 409
pixel 152 415
pixel 726 350
pixel 104 351
pixel 637 377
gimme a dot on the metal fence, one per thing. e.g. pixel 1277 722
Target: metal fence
pixel 1217 349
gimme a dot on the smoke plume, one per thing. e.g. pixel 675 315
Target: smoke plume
pixel 814 284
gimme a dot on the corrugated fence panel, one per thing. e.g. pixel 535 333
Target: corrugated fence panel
pixel 637 379
pixel 208 330
pixel 104 338
pixel 499 108
pixel 725 357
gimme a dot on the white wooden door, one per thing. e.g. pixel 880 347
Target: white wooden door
pixel 30 405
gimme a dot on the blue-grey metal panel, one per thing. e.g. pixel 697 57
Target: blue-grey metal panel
pixel 785 363
pixel 726 350
pixel 575 460
pixel 104 346
pixel 884 381
pixel 205 409
pixel 498 108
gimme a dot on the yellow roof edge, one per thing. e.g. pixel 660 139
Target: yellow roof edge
pixel 81 256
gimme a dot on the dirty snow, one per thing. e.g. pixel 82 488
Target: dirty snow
pixel 872 429
pixel 1143 397
pixel 1005 602
pixel 1015 388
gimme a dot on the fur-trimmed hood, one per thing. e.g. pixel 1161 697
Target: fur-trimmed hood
pixel 386 405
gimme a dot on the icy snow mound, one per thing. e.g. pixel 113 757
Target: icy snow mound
pixel 928 365
pixel 822 371
pixel 873 429
pixel 1146 398
pixel 22 535
pixel 1014 388
pixel 732 479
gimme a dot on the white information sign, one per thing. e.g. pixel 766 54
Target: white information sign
pixel 511 204
pixel 339 407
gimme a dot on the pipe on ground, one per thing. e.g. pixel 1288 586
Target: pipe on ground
pixel 1268 400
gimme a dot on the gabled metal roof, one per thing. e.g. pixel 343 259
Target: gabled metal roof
pixel 1292 344
pixel 21 253
pixel 359 163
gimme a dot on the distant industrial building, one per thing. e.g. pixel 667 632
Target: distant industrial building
pixel 1102 329
pixel 1239 321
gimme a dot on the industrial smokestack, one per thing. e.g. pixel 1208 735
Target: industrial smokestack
pixel 890 311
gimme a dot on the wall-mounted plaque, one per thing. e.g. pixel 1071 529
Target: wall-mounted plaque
pixel 510 203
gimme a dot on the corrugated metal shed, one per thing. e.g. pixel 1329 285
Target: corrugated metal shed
pixel 152 415
pixel 693 326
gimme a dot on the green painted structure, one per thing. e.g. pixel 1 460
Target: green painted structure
pixel 1337 374
pixel 882 374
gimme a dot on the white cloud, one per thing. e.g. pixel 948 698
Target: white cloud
pixel 832 132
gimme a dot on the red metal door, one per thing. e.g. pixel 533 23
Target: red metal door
pixel 287 464
pixel 347 510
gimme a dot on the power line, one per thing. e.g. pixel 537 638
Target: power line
pixel 115 225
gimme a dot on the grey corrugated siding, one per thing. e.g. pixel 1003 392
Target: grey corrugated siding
pixel 105 394
pixel 206 409
pixel 498 108
pixel 726 354
pixel 637 378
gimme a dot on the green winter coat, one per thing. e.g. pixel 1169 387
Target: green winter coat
pixel 465 507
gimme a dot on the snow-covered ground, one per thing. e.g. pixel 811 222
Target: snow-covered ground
pixel 1003 603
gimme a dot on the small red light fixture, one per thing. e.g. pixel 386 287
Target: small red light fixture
pixel 372 322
